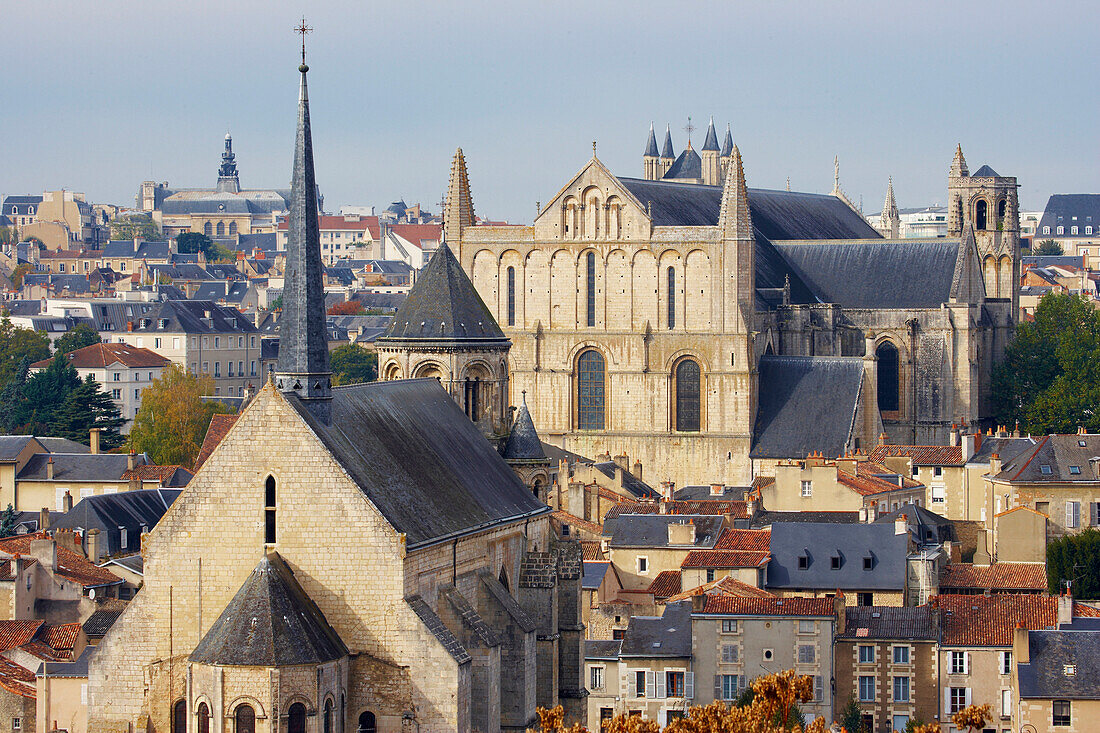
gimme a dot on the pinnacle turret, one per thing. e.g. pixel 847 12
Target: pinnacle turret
pixel 711 142
pixel 734 217
pixel 890 219
pixel 459 212
pixel 666 149
pixel 727 144
pixel 958 165
pixel 651 146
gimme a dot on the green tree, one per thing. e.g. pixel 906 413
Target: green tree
pixel 135 226
pixel 1075 558
pixel 1049 247
pixel 18 345
pixel 87 407
pixel 352 364
pixel 43 395
pixel 17 274
pixel 9 521
pixel 171 423
pixel 1049 379
pixel 276 305
pixel 79 337
pixel 190 243
pixel 851 718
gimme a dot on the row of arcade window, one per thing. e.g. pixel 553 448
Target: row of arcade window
pixel 592 393
pixel 210 230
pixel 244 719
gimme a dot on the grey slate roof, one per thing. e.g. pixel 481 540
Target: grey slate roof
pixel 765 518
pixel 270 622
pixel 1069 209
pixel 651 145
pixel 1052 260
pixel 267 241
pixel 926 527
pixel 985 172
pixel 727 144
pixel 631 483
pixel 102 619
pixel 651 530
pixel 443 305
pixel 420 460
pixel 189 316
pixel 523 442
pixel 711 143
pixel 1006 448
pixel 79 466
pixel 889 622
pixel 108 512
pixel 12 445
pixel 688 165
pixel 602 649
pixel 21 204
pixel 1056 458
pixel 77 668
pixel 851 542
pixel 790 399
pixel 1044 676
pixel 435 625
pixel 594 572
pixel 905 273
pixel 659 636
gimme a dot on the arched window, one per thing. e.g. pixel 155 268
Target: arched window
pixel 328 717
pixel 687 396
pixel 232 228
pixel 511 296
pixel 208 229
pixel 179 717
pixel 269 511
pixel 296 718
pixel 244 719
pixel 473 387
pixel 536 488
pixel 204 718
pixel 366 723
pixel 590 280
pixel 671 298
pixel 221 228
pixel 887 355
pixel 981 214
pixel 1002 207
pixel 590 391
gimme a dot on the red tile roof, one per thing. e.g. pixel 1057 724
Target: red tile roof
pixel 722 586
pixel 70 564
pixel 922 455
pixel 17 633
pixel 700 507
pixel 979 620
pixel 575 521
pixel 591 550
pixel 1085 611
pixel 769 606
pixel 62 637
pixel 99 356
pixel 723 559
pixel 998 576
pixel 215 432
pixel 744 539
pixel 16 679
pixel 667 583
pixel 866 485
pixel 874 468
pixel 153 473
pixel 417 233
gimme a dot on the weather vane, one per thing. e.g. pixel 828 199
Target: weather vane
pixel 303 29
pixel 689 128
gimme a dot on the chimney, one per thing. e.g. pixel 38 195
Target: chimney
pixel 839 608
pixel 638 470
pixel 883 439
pixel 49 468
pixel 67 502
pixel 901 525
pixel 129 325
pixel 93 545
pixel 93 440
pixel 623 461
pixel 862 515
pixel 1065 607
pixel 699 602
pixel 45 552
pixel 662 505
pixel 994 464
pixel 969 447
pixel 16 566
pixel 43 519
pixel 982 557
pixel 872 512
pixel 954 434
pixel 1021 654
pixel 1081 430
pixel 717 489
pixel 750 507
pixel 130 461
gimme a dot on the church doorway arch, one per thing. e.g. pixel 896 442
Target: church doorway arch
pixel 367 723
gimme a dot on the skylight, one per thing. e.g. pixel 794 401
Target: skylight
pixel 1075 470
pixel 1045 470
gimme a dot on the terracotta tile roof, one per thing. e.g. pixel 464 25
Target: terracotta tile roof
pixel 1020 509
pixel 998 576
pixel 417 233
pixel 219 427
pixel 99 356
pixel 1083 610
pixel 70 564
pixel 590 550
pixel 575 521
pixel 16 679
pixel 722 586
pixel 922 455
pixel 17 633
pixel 769 606
pixel 724 559
pixel 153 473
pixel 874 468
pixel 704 507
pixel 744 539
pixel 7 571
pixel 978 620
pixel 866 485
pixel 667 583
pixel 61 637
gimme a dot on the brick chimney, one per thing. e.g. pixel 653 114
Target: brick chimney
pixel 93 545
pixel 45 552
pixel 1021 654
pixel 638 469
pixel 43 518
pixel 49 468
pixel 93 440
pixel 67 502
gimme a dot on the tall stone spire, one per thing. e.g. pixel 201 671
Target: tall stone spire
pixel 651 158
pixel 734 217
pixel 890 219
pixel 303 343
pixel 666 149
pixel 958 165
pixel 727 144
pixel 459 212
pixel 711 142
pixel 651 144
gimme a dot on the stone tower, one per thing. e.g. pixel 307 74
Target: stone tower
pixel 651 159
pixel 443 330
pixel 710 154
pixel 668 155
pixel 890 219
pixel 303 366
pixel 228 182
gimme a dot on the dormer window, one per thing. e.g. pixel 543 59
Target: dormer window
pixel 1075 470
pixel 834 562
pixel 1081 444
pixel 868 562
pixel 1045 470
pixel 803 562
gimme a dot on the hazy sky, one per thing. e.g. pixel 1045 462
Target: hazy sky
pixel 100 96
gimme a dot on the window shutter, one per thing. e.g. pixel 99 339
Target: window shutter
pixel 741 681
pixel 631 684
pixel 717 687
pixel 947 699
pixel 662 691
pixel 819 688
pixel 650 685
pixel 966 663
pixel 968 697
pixel 1092 513
pixel 689 685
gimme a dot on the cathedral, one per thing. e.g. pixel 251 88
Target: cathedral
pixel 708 329
pixel 355 558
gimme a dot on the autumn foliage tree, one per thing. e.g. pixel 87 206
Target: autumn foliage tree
pixel 171 423
pixel 347 308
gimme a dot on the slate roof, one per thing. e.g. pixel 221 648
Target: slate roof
pixel 602 649
pixel 270 622
pixel 790 391
pixel 668 635
pixel 631 483
pixel 189 316
pixel 651 530
pixel 1056 458
pixel 851 542
pixel 702 493
pixel 594 572
pixel 1000 576
pixel 687 165
pixel 443 305
pixel 651 145
pixel 523 441
pixel 985 172
pixel 1061 209
pixel 108 512
pixel 926 527
pixel 78 467
pixel 435 625
pixel 21 204
pixel 1044 676
pixel 420 460
pixel 743 606
pixel 765 518
pixel 75 669
pixel 12 445
pixel 890 622
pixel 727 144
pixel 711 142
pixel 666 148
pixel 979 620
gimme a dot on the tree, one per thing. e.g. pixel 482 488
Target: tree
pixel 43 395
pixel 173 418
pixel 352 364
pixel 18 345
pixel 190 243
pixel 1049 379
pixel 17 274
pixel 135 226
pixel 1075 558
pixel 850 717
pixel 9 521
pixel 347 308
pixel 276 305
pixel 79 337
pixel 87 407
pixel 1049 247
pixel 9 235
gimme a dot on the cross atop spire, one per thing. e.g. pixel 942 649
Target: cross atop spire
pixel 303 29
pixel 836 174
pixel 689 128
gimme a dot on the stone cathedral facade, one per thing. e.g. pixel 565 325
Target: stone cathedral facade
pixel 708 329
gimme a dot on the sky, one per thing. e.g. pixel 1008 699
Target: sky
pixel 101 96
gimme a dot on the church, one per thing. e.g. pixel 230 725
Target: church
pixel 356 558
pixel 708 329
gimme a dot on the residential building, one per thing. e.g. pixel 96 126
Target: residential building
pixel 123 371
pixel 1056 677
pixel 25 646
pixel 112 525
pixel 1073 220
pixel 62 692
pixel 21 210
pixel 347 236
pixel 887 661
pixel 737 639
pixel 740 554
pixel 643 545
pixel 49 578
pixel 850 483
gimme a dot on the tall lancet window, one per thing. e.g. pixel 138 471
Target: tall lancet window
pixel 671 298
pixel 888 377
pixel 269 511
pixel 688 396
pixel 590 279
pixel 590 391
pixel 511 296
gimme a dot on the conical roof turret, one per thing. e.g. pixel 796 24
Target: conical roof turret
pixel 711 143
pixel 651 145
pixel 666 149
pixel 727 144
pixel 523 442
